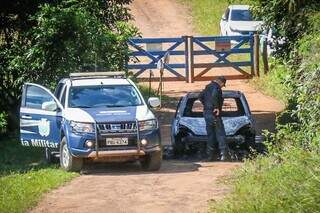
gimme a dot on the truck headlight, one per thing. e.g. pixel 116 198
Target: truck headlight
pixel 82 127
pixel 148 124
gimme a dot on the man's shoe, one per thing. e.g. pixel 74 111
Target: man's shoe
pixel 223 156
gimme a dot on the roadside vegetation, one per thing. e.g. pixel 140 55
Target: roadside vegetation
pixel 24 176
pixel 287 178
pixel 42 42
pixel 206 14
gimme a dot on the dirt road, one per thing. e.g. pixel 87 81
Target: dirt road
pixel 180 186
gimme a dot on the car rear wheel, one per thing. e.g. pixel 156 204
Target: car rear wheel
pixel 152 161
pixel 67 161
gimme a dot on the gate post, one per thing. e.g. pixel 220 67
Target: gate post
pixel 265 56
pixel 256 54
pixel 251 54
pixel 186 55
pixel 191 59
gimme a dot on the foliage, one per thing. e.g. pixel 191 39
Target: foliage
pixel 58 38
pixel 3 122
pixel 278 77
pixel 305 114
pixel 289 20
pixel 24 176
pixel 287 181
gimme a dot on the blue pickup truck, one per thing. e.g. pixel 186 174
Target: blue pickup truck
pixel 94 117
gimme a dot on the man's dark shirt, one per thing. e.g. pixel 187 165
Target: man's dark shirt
pixel 211 97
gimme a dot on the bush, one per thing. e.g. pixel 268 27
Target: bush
pixel 61 37
pixel 3 122
pixel 287 181
pixel 275 83
pixel 290 20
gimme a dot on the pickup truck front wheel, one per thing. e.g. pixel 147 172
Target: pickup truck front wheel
pixel 152 161
pixel 67 161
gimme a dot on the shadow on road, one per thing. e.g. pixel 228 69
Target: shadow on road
pixel 265 120
pixel 119 169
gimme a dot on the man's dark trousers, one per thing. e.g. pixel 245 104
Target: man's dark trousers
pixel 216 133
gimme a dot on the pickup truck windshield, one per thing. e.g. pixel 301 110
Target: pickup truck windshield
pixel 103 96
pixel 241 15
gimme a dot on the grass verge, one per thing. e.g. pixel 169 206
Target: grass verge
pixel 283 182
pixel 206 14
pixel 274 82
pixel 24 176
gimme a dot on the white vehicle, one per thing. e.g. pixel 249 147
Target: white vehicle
pixel 237 20
pixel 93 116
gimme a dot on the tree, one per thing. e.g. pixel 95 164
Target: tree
pixel 57 38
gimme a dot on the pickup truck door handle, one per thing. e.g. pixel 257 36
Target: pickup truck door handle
pixel 26 117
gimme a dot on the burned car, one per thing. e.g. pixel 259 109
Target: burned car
pixel 188 130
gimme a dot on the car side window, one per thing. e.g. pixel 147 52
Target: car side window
pixel 226 14
pixel 178 108
pixel 36 97
pixel 63 97
pixel 58 90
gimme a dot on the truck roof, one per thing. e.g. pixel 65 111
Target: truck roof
pixel 239 7
pixel 100 81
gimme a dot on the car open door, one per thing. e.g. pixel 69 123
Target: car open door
pixel 40 117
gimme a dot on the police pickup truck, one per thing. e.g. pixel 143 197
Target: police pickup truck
pixel 91 116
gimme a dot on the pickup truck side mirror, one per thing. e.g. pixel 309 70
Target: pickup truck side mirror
pixel 224 18
pixel 154 102
pixel 50 106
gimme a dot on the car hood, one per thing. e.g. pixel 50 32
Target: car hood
pixel 245 25
pixel 198 125
pixel 110 114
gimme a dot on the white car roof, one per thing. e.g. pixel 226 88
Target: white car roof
pixel 239 7
pixel 100 81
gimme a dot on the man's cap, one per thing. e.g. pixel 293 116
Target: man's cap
pixel 222 79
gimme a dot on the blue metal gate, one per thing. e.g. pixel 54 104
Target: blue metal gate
pixel 216 50
pixel 231 45
pixel 147 58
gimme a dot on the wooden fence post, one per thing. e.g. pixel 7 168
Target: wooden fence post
pixel 191 59
pixel 265 56
pixel 186 55
pixel 256 54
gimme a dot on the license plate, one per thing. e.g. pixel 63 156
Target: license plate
pixel 117 141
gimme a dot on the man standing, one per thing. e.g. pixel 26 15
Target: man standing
pixel 211 98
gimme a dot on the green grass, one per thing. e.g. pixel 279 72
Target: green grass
pixel 24 176
pixel 286 182
pixel 146 93
pixel 206 14
pixel 274 82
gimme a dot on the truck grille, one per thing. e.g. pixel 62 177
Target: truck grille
pixel 121 127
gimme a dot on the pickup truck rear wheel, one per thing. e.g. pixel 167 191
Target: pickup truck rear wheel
pixel 152 161
pixel 67 161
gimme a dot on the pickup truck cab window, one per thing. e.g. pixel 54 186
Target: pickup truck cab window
pixel 103 96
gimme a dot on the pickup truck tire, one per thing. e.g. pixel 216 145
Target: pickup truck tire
pixel 67 161
pixel 152 161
